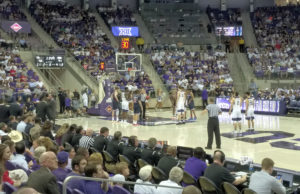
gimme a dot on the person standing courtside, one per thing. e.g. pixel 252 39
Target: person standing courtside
pixel 143 101
pixel 213 124
pixel 236 112
pixel 250 111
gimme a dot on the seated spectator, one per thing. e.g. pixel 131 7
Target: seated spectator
pixel 35 131
pixel 22 124
pixel 79 132
pixel 167 162
pixel 61 172
pixel 67 136
pixel 116 178
pixel 96 157
pixel 101 140
pixel 87 141
pixel 13 123
pixel 2 129
pixel 149 154
pixel 84 152
pixel 43 180
pixel 78 164
pixel 145 178
pixel 263 181
pixel 71 152
pixel 61 133
pixel 196 165
pixel 95 171
pixel 4 157
pixel 115 146
pixel 131 151
pixel 19 158
pixel 37 154
pixel 46 130
pixel 191 189
pixel 175 177
pixel 218 174
pixel 122 168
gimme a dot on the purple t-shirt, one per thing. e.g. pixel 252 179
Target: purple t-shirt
pixel 195 167
pixel 61 174
pixel 93 187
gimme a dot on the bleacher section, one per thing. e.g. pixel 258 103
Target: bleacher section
pixel 18 82
pixel 277 33
pixel 193 70
pixel 77 31
pixel 175 23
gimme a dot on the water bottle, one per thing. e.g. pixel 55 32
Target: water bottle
pixel 251 167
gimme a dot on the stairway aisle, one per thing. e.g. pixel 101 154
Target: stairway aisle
pixel 248 32
pixel 78 76
pixel 144 31
pixel 156 80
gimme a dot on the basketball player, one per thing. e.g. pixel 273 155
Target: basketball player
pixel 235 109
pixel 125 104
pixel 250 111
pixel 173 97
pixel 180 108
pixel 191 105
pixel 115 104
pixel 137 107
pixel 158 100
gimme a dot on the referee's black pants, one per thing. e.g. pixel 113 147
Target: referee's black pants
pixel 143 115
pixel 213 127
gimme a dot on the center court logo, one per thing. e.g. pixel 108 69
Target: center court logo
pixel 125 32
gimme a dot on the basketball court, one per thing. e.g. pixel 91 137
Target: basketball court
pixel 275 136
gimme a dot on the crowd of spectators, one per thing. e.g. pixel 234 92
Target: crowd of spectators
pixel 230 17
pixel 45 155
pixel 122 16
pixel 278 37
pixel 194 70
pixel 76 30
pixel 141 80
pixel 19 83
pixel 9 10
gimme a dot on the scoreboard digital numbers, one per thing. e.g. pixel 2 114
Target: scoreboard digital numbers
pixel 125 43
pixel 46 61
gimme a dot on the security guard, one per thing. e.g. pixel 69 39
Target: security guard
pixel 115 146
pixel 213 123
pixel 149 154
pixel 131 151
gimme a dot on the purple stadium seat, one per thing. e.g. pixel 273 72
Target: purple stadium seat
pixel 8 188
pixel 119 190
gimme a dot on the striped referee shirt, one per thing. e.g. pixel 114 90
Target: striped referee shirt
pixel 86 142
pixel 213 110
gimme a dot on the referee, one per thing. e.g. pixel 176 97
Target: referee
pixel 213 123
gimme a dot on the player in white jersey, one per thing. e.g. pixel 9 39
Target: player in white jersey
pixel 125 105
pixel 236 111
pixel 250 111
pixel 180 102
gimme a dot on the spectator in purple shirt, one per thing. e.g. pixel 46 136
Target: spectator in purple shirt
pixel 78 164
pixel 196 165
pixel 204 97
pixel 61 172
pixel 95 171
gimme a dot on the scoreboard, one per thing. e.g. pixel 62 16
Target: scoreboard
pixel 125 43
pixel 49 61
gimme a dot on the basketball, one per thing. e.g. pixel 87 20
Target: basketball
pixel 147 97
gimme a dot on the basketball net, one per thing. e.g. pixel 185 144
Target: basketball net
pixel 131 72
